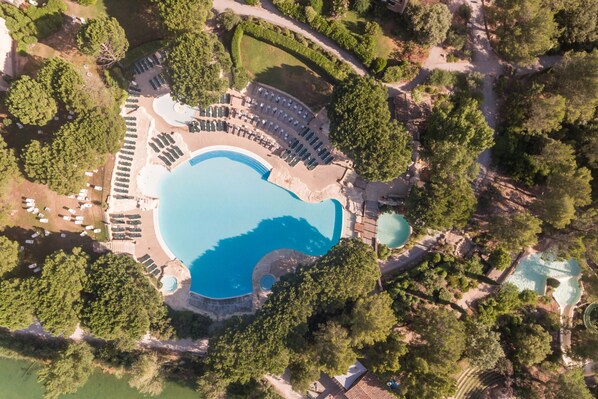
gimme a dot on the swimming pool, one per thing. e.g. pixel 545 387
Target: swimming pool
pixel 533 270
pixel 392 230
pixel 219 215
pixel 169 284
pixel 267 281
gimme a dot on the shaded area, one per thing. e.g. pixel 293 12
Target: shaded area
pixel 139 19
pixel 230 263
pixel 277 68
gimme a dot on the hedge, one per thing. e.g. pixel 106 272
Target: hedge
pixel 240 75
pixel 335 30
pixel 335 69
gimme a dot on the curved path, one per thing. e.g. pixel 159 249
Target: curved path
pixel 269 13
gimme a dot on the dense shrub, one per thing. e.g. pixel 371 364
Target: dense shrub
pixel 333 68
pixel 439 77
pixel 363 46
pixel 252 2
pixel 87 2
pixel 397 73
pixel 378 65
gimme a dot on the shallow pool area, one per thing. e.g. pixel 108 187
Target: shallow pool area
pixel 169 284
pixel 267 281
pixel 175 114
pixel 219 215
pixel 393 230
pixel 533 271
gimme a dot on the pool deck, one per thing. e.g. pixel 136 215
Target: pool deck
pixel 324 182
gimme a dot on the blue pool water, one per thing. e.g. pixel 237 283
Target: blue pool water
pixel 533 270
pixel 169 284
pixel 267 281
pixel 392 230
pixel 219 215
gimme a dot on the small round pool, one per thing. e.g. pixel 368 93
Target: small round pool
pixel 393 230
pixel 169 284
pixel 267 281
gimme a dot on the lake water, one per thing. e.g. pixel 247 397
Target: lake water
pixel 18 380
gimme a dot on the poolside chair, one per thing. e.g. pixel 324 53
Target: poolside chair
pixel 306 156
pixel 309 136
pixel 156 59
pixel 158 142
pixel 172 152
pixel 151 268
pixel 302 152
pixel 303 132
pixel 298 148
pixel 169 138
pixel 170 157
pixel 314 140
pixel 312 166
pixel 163 140
pixel 329 160
pixel 165 160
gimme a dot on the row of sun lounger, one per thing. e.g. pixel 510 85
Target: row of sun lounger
pixel 225 98
pixel 244 132
pixel 149 265
pixel 157 81
pixel 215 111
pixel 125 227
pixel 208 126
pixel 146 63
pixel 167 143
pixel 283 102
pixel 126 155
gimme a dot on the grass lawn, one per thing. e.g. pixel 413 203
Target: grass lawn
pixel 385 44
pixel 277 68
pixel 138 17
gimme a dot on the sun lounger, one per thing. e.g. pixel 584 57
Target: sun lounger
pixel 329 160
pixel 169 138
pixel 164 141
pixel 165 160
pixel 154 147
pixel 178 150
pixel 158 142
pixel 156 272
pixel 172 152
pixel 170 157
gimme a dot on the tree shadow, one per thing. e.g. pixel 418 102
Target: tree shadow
pixel 312 89
pixel 139 19
pixel 229 265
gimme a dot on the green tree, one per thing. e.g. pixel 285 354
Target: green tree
pixel 229 19
pixel 384 357
pixel 525 29
pixel 576 79
pixel 30 103
pixel 59 291
pixel 9 255
pixel 545 114
pixel 556 208
pixel 104 39
pixel 372 320
pixel 361 6
pixel 339 8
pixel 571 385
pixel 181 16
pixel 532 344
pixel 516 231
pixel 195 63
pixel 333 348
pixel 483 346
pixel 585 345
pixel 500 258
pixel 69 372
pixel 420 382
pixel 304 371
pixel 16 304
pixel 441 204
pixel 361 127
pixel 120 302
pixel 579 20
pixel 428 23
pixel 211 386
pixel 146 376
pixel 65 83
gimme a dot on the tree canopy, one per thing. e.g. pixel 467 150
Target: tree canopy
pixel 120 302
pixel 532 344
pixel 16 304
pixel 146 376
pixel 525 29
pixel 571 385
pixel 59 289
pixel 429 23
pixel 181 16
pixel 579 22
pixel 333 348
pixel 371 320
pixel 9 255
pixel 69 372
pixel 483 346
pixel 194 65
pixel 30 102
pixel 517 231
pixel 361 127
pixel 104 39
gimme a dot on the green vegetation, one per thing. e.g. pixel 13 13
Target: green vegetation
pixel 483 349
pixel 429 24
pixel 68 373
pixel 27 26
pixel 525 29
pixel 401 72
pixel 9 255
pixel 306 323
pixel 280 69
pixel 182 16
pixel 361 127
pixel 194 66
pixel 104 39
pixel 578 20
pixel 516 232
pixel 363 46
pixel 456 134
pixel 305 50
pixel 59 291
pixel 29 102
pixel 146 376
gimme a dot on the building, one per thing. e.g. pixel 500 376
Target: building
pixel 357 383
pixel 396 5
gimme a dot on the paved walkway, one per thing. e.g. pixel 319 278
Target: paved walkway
pixel 268 12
